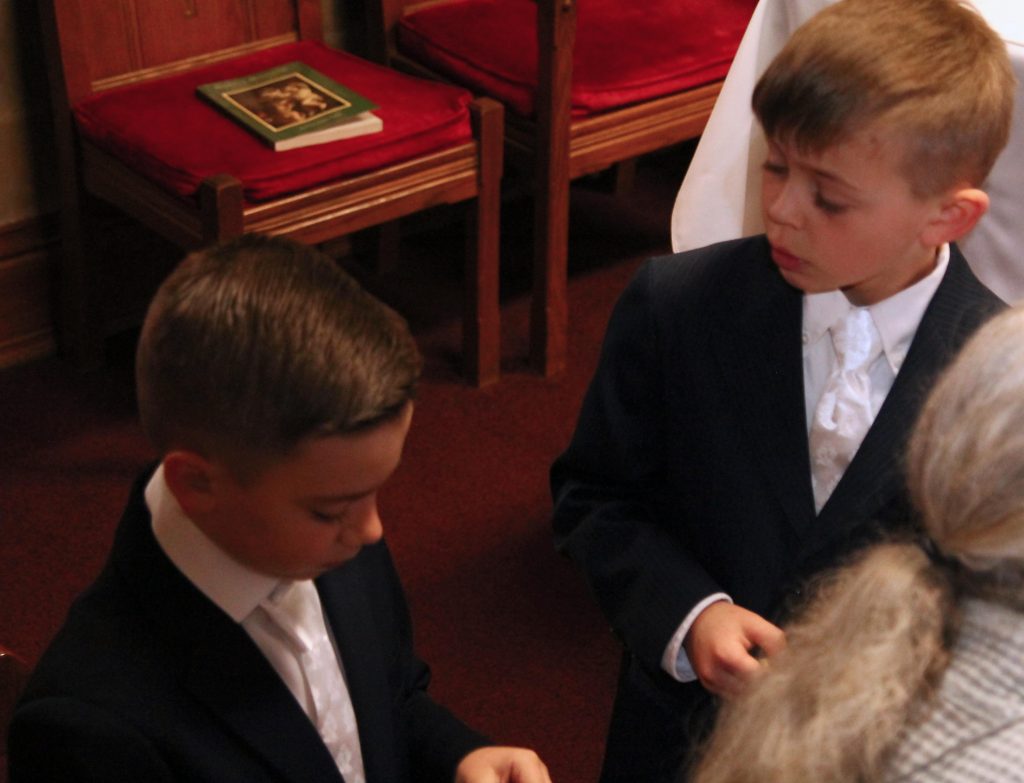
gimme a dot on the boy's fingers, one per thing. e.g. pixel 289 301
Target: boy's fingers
pixel 770 638
pixel 738 661
pixel 732 679
pixel 731 668
pixel 497 764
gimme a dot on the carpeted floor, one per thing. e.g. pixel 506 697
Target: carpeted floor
pixel 516 644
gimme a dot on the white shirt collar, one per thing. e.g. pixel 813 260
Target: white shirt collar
pixel 896 318
pixel 233 587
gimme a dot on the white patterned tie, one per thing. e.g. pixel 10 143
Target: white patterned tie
pixel 295 608
pixel 843 414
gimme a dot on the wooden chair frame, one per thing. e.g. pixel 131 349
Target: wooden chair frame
pixel 468 171
pixel 556 149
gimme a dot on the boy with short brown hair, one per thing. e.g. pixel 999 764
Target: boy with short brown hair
pixel 249 624
pixel 746 423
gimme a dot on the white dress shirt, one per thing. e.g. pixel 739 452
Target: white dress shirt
pixel 896 319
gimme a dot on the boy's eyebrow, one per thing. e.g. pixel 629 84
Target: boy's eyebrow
pixel 778 149
pixel 834 178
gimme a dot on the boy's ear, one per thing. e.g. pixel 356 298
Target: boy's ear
pixel 191 479
pixel 959 211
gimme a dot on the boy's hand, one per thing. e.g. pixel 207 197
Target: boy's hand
pixel 502 765
pixel 719 647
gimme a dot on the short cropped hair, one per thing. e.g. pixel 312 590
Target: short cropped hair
pixel 253 345
pixel 931 73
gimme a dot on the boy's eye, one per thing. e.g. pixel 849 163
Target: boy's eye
pixel 328 517
pixel 773 168
pixel 829 207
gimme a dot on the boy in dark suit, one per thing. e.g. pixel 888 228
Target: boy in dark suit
pixel 249 624
pixel 746 423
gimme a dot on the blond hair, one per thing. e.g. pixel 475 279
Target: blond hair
pixel 965 463
pixel 929 73
pixel 251 346
pixel 864 657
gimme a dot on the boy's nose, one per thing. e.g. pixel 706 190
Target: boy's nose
pixel 781 205
pixel 371 529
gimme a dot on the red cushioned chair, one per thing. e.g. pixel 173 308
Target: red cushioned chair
pixel 133 132
pixel 625 79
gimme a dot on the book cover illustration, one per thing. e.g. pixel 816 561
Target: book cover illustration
pixel 293 105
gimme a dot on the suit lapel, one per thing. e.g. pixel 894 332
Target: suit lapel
pixel 343 594
pixel 230 675
pixel 762 363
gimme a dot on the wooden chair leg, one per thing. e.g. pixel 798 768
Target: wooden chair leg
pixel 624 176
pixel 79 326
pixel 387 241
pixel 80 330
pixel 377 249
pixel 220 205
pixel 549 317
pixel 481 330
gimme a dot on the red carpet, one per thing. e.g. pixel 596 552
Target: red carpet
pixel 516 643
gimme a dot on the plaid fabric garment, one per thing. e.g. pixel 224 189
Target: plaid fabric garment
pixel 975 733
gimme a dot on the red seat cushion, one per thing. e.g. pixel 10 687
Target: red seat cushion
pixel 625 52
pixel 163 130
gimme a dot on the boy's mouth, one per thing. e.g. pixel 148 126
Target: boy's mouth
pixel 784 259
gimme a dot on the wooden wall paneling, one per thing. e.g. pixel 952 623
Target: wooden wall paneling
pixel 27 259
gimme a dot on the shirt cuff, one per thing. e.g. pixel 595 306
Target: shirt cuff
pixel 674 660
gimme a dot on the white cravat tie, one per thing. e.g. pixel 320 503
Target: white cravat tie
pixel 843 414
pixel 295 609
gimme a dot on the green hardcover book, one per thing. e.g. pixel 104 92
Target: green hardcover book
pixel 293 105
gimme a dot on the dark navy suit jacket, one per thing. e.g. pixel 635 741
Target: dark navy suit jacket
pixel 689 474
pixel 150 681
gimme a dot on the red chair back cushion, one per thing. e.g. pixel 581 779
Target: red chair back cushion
pixel 163 130
pixel 625 52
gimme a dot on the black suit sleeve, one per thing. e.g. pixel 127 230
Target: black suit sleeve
pixel 607 484
pixel 435 739
pixel 66 740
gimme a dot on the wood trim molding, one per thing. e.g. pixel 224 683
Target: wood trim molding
pixel 28 256
pixel 22 236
